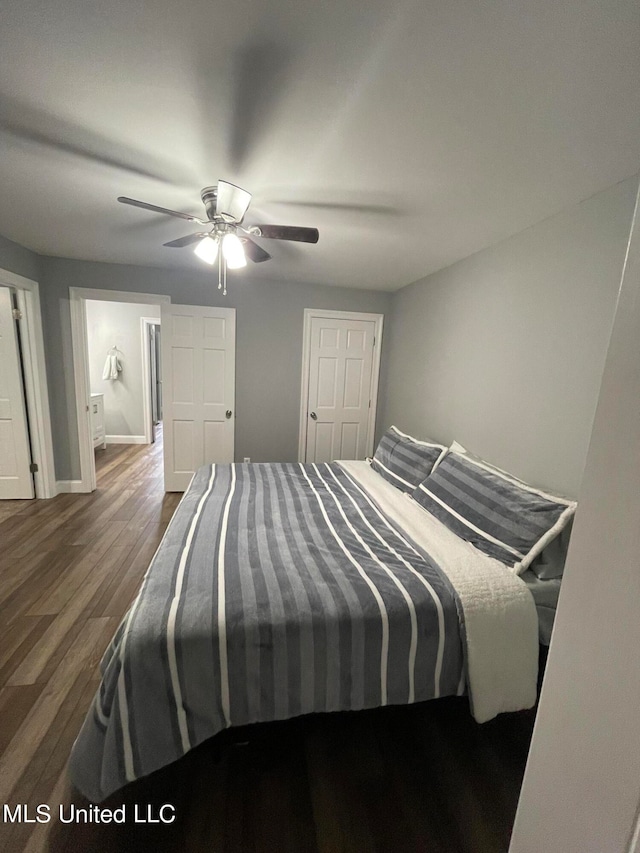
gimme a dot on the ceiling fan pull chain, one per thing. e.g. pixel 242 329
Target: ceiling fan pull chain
pixel 224 275
pixel 219 272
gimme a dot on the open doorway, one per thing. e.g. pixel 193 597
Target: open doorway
pixel 112 363
pixel 151 335
pixel 123 371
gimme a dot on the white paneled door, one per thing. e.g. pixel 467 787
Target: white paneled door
pixel 198 376
pixel 340 409
pixel 16 480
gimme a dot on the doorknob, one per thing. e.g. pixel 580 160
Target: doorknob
pixel 313 416
pixel 228 413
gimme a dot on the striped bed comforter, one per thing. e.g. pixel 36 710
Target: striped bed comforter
pixel 278 590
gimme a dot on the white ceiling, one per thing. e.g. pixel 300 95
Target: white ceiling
pixel 411 135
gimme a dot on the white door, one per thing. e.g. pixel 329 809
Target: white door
pixel 198 372
pixel 16 480
pixel 340 409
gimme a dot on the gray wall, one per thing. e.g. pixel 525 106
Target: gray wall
pixel 504 350
pixel 118 324
pixel 19 260
pixel 269 346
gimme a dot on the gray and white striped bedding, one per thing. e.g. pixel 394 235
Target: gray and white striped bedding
pixel 403 460
pixel 501 516
pixel 278 590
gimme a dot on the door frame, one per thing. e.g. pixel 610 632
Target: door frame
pixel 35 380
pixel 145 322
pixel 309 315
pixel 78 297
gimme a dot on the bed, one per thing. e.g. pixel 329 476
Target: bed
pixel 285 589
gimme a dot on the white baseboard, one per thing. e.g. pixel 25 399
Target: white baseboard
pixel 70 486
pixel 126 439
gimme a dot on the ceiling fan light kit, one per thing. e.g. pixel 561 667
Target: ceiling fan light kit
pixel 226 206
pixel 207 250
pixel 233 252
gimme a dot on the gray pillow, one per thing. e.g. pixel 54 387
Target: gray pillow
pixel 500 515
pixel 403 460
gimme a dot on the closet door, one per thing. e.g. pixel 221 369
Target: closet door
pixel 16 480
pixel 341 364
pixel 198 372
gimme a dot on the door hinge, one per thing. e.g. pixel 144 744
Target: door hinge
pixel 33 468
pixel 17 314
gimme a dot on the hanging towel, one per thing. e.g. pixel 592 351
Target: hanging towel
pixel 112 367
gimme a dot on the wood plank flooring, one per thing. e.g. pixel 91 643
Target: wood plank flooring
pixel 425 779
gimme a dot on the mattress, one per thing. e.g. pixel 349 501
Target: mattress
pixel 545 593
pixel 288 589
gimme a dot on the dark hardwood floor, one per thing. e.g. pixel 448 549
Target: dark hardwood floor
pixel 425 779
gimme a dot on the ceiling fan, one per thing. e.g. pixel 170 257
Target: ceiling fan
pixel 225 206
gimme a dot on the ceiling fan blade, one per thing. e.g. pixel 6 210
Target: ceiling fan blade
pixel 232 202
pixel 41 128
pixel 287 232
pixel 369 209
pixel 156 209
pixel 261 74
pixel 256 253
pixel 181 242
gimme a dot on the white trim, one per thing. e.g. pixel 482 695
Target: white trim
pixel 77 308
pixel 126 439
pixel 78 297
pixel 70 486
pixel 145 322
pixel 118 296
pixel 36 392
pixel 309 314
